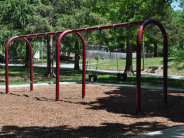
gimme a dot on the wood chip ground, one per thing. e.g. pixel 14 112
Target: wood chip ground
pixel 106 111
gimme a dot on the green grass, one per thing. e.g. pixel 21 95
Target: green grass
pixel 175 65
pixel 20 75
pixel 44 62
pixel 146 81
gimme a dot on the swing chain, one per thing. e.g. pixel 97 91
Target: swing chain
pixel 99 36
pixel 88 62
pixel 100 44
pixel 86 29
pixel 116 47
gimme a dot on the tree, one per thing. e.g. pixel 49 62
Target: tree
pixel 127 11
pixel 64 15
pixel 84 17
pixel 181 3
pixel 173 28
pixel 17 17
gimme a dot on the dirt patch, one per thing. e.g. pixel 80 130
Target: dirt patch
pixel 160 72
pixel 107 111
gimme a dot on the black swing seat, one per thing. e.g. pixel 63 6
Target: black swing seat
pixel 93 77
pixel 121 76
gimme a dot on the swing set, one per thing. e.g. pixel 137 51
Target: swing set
pixel 93 77
pixel 77 32
pixel 120 76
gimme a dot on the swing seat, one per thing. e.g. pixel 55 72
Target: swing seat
pixel 93 77
pixel 121 76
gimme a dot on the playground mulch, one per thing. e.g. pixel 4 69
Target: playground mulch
pixel 107 111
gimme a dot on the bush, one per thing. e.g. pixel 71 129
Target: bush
pixel 44 56
pixel 97 57
pixel 103 58
pixel 180 54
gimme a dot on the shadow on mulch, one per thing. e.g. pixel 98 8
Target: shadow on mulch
pixel 123 102
pixel 120 101
pixel 108 130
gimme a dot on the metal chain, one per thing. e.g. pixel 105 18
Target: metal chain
pixel 116 49
pixel 100 38
pixel 100 45
pixel 86 45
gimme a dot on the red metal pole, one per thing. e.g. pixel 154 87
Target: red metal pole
pixel 6 62
pixel 84 29
pixel 31 63
pixel 84 65
pixel 138 69
pixel 58 63
pixel 139 36
pixel 108 26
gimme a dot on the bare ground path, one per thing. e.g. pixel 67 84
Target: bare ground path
pixel 107 111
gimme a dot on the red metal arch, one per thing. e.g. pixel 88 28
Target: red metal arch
pixel 6 62
pixel 138 62
pixel 76 31
pixel 58 63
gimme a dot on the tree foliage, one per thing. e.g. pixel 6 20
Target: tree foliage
pixel 173 26
pixel 33 16
pixel 127 11
pixel 17 18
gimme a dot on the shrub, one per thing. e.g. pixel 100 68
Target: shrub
pixel 44 56
pixel 103 58
pixel 97 57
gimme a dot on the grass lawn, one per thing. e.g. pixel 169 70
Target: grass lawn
pixel 20 75
pixel 175 65
pixel 44 62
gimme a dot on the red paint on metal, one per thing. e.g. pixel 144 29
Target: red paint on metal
pixel 138 77
pixel 108 26
pixel 58 63
pixel 138 69
pixel 31 62
pixel 84 65
pixel 6 62
pixel 76 31
pixel 84 29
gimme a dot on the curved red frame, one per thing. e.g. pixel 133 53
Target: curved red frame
pixel 58 63
pixel 85 29
pixel 138 62
pixel 76 31
pixel 6 62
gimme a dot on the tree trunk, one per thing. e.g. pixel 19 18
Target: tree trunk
pixel 155 50
pixel 50 68
pixel 129 67
pixel 77 56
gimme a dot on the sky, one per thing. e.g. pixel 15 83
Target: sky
pixel 176 4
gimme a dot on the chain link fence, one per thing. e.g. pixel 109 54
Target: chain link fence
pixel 111 55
